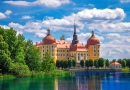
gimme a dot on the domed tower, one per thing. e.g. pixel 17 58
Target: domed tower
pixel 49 45
pixel 93 46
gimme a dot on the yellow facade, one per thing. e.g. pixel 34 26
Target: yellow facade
pixel 93 52
pixel 62 50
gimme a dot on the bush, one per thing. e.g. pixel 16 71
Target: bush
pixel 19 70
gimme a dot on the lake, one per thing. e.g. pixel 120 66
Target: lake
pixel 81 81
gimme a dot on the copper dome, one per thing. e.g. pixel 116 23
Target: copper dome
pixel 49 39
pixel 93 40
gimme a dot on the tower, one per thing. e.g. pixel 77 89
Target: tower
pixel 75 38
pixel 93 46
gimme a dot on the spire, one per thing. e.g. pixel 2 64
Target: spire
pixel 75 38
pixel 92 34
pixel 62 38
pixel 74 27
pixel 48 32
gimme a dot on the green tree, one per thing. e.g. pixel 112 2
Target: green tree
pixel 48 63
pixel 128 63
pixel 20 50
pixel 91 63
pixel 65 63
pixel 87 63
pixel 82 63
pixel 12 41
pixel 61 64
pixel 19 69
pixel 74 63
pixel 114 60
pixel 101 62
pixel 107 63
pixel 33 57
pixel 4 56
pixel 123 63
pixel 69 63
pixel 96 63
pixel 58 63
pixel 119 61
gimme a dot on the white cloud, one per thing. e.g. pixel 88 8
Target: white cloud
pixel 99 19
pixel 47 3
pixel 26 17
pixel 124 1
pixel 2 16
pixel 8 12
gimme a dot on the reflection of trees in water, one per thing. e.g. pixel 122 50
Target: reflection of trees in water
pixel 82 81
pixel 15 84
pixel 67 83
pixel 89 81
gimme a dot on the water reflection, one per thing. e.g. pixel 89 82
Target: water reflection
pixel 81 81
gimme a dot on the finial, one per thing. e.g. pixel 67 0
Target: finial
pixel 92 33
pixel 48 32
pixel 62 38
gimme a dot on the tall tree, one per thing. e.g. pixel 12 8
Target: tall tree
pixel 82 63
pixel 11 40
pixel 96 63
pixel 20 50
pixel 69 63
pixel 58 63
pixel 123 63
pixel 101 62
pixel 4 56
pixel 65 63
pixel 33 57
pixel 91 63
pixel 107 63
pixel 87 63
pixel 48 63
pixel 73 63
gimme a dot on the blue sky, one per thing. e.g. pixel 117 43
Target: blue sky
pixel 110 20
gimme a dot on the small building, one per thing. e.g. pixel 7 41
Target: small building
pixel 115 66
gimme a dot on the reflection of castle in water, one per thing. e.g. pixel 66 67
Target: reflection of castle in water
pixel 91 81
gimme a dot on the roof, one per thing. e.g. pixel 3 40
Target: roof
pixel 49 40
pixel 38 44
pixel 93 40
pixel 77 47
pixel 115 63
pixel 62 44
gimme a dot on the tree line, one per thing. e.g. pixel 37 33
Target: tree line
pixel 18 56
pixel 99 63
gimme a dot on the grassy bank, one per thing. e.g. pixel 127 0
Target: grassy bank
pixel 6 77
pixel 51 73
pixel 125 70
pixel 39 74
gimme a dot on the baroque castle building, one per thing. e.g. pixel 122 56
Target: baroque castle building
pixel 62 50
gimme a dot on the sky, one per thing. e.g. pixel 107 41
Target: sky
pixel 109 19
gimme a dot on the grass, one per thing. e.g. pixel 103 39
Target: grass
pixel 49 73
pixel 125 70
pixel 6 77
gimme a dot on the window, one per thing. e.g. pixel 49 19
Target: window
pixel 52 54
pixel 94 54
pixel 46 46
pixel 43 46
pixel 43 50
pixel 94 50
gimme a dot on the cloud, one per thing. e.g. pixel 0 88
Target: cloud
pixel 47 3
pixel 125 1
pixel 26 17
pixel 30 27
pixel 2 16
pixel 8 12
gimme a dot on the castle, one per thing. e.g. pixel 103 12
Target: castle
pixel 62 50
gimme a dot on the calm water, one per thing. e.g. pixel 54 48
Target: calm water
pixel 82 81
